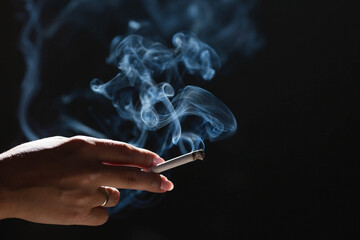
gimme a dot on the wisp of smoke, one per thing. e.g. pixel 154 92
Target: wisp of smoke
pixel 151 105
pixel 148 106
pixel 225 24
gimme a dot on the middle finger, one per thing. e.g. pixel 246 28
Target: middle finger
pixel 133 178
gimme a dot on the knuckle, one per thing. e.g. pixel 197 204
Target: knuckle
pixel 135 154
pixel 145 156
pixel 156 184
pixel 87 175
pixel 82 174
pixel 82 200
pixel 148 159
pixel 59 137
pixel 125 149
pixel 131 177
pixel 78 143
pixel 76 216
pixel 75 198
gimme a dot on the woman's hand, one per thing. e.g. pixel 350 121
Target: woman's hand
pixel 62 180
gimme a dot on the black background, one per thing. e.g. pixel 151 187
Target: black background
pixel 289 172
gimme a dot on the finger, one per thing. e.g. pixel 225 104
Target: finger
pixel 118 153
pixel 110 196
pixel 134 178
pixel 97 216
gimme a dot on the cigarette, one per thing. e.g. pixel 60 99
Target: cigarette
pixel 178 161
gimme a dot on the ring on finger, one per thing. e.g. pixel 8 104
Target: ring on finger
pixel 106 198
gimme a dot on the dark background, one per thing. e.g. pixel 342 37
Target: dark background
pixel 289 172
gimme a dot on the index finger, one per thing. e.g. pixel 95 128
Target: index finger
pixel 119 153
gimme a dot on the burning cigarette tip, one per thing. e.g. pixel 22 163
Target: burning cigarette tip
pixel 198 154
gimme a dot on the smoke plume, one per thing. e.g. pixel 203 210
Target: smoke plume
pixel 147 103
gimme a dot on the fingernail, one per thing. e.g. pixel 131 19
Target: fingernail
pixel 157 160
pixel 166 185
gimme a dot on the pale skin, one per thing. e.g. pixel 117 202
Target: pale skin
pixel 61 180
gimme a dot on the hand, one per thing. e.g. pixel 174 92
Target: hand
pixel 62 180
